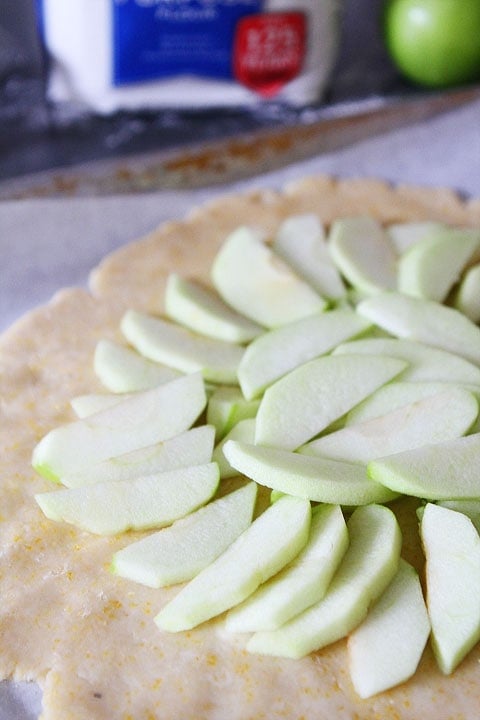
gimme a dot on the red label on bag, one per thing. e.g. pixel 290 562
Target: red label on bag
pixel 269 50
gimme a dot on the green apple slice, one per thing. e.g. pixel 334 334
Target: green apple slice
pixel 193 447
pixel 386 648
pixel 467 297
pixel 178 553
pixel 279 351
pixel 437 418
pixel 368 566
pixel 91 403
pixel 442 471
pixel 424 320
pixel 404 235
pixel 431 267
pixel 200 309
pixel 426 363
pixel 307 400
pixel 301 583
pixel 121 369
pixel 114 506
pixel 257 283
pixel 226 407
pixel 182 349
pixel 314 478
pixel 270 543
pixel 470 508
pixel 301 242
pixel 146 418
pixel 452 550
pixel 361 250
pixel 395 395
pixel 244 431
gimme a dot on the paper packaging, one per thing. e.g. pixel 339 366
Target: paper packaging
pixel 110 55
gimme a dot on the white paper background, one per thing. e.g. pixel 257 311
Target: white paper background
pixel 48 244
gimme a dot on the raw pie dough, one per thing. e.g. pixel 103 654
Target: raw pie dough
pixel 88 637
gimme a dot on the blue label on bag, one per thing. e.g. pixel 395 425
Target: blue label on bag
pixel 162 38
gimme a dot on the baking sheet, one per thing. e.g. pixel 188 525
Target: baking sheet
pixel 50 243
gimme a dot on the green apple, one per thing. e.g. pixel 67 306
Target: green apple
pixel 270 543
pixel 368 566
pixel 301 242
pixel 452 552
pixel 362 251
pixel 442 471
pixel 386 648
pixel 279 351
pixel 425 363
pixel 115 506
pixel 395 395
pixel 307 400
pixel 315 478
pixel 404 235
pixel 470 508
pixel 91 403
pixel 200 309
pixel 257 283
pixel 226 407
pixel 121 369
pixel 434 419
pixel 467 297
pixel 143 419
pixel 301 583
pixel 193 447
pixel 425 321
pixel 432 267
pixel 182 349
pixel 243 431
pixel 179 552
pixel 434 42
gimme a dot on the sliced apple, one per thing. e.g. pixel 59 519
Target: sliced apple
pixel 301 583
pixel 386 648
pixel 426 363
pixel 243 431
pixel 146 418
pixel 270 543
pixel 404 235
pixel 470 508
pixel 452 551
pixel 193 447
pixel 279 351
pixel 301 242
pixel 178 553
pixel 434 419
pixel 424 320
pixel 433 265
pixel 362 252
pixel 442 471
pixel 121 369
pixel 257 283
pixel 467 297
pixel 114 506
pixel 307 400
pixel 182 349
pixel 91 403
pixel 200 309
pixel 226 407
pixel 368 566
pixel 315 478
pixel 395 395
